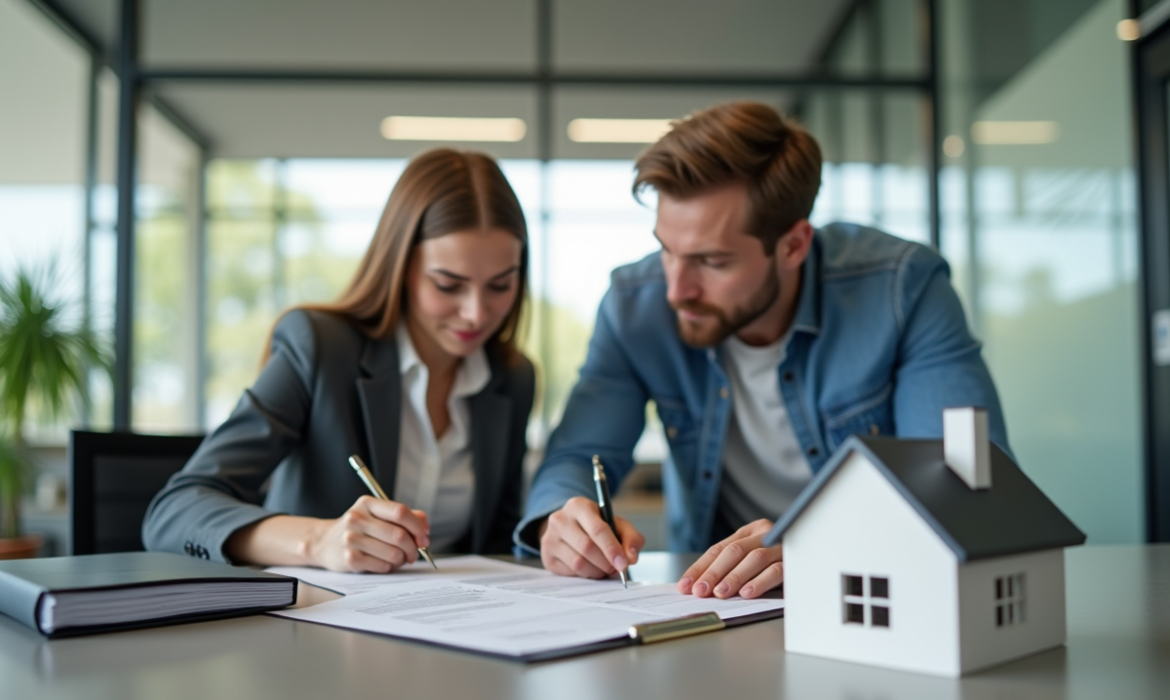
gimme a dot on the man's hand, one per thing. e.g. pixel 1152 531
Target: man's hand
pixel 739 564
pixel 576 541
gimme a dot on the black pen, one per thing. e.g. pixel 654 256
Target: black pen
pixel 367 478
pixel 606 506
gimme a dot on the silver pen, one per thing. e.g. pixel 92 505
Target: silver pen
pixel 606 506
pixel 367 478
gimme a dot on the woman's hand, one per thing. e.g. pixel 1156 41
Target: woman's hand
pixel 373 535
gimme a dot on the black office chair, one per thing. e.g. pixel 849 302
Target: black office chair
pixel 115 475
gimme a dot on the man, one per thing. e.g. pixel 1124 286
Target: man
pixel 763 343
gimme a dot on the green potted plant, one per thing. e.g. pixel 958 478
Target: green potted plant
pixel 45 354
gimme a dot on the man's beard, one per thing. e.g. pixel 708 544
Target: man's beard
pixel 702 335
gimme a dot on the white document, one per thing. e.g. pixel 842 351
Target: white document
pixel 501 608
pixel 350 584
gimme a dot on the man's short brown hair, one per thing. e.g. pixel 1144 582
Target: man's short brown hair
pixel 746 142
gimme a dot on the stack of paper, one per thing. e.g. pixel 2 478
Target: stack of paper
pixel 69 609
pixel 506 609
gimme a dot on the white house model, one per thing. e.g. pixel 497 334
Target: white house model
pixel 936 556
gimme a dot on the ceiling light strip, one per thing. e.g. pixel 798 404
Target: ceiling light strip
pixel 400 128
pixel 1014 133
pixel 617 130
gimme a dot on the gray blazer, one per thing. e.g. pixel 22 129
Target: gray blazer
pixel 329 391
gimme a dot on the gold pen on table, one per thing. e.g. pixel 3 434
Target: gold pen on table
pixel 606 506
pixel 367 478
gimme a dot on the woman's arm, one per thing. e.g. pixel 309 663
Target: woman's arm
pixel 215 503
pixel 373 535
pixel 220 490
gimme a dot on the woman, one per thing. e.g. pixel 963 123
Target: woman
pixel 414 368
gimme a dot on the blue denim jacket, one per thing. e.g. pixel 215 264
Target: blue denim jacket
pixel 879 345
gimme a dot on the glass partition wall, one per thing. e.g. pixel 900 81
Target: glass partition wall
pixel 1040 229
pixel 286 225
pixel 45 90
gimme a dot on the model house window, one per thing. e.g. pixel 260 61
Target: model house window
pixel 1009 600
pixel 866 600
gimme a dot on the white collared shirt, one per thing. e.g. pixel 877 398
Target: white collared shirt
pixel 436 475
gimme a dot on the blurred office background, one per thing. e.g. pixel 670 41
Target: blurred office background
pixel 1001 132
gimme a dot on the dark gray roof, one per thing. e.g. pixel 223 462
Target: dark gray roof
pixel 1012 517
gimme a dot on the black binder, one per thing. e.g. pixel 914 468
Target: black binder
pixel 65 596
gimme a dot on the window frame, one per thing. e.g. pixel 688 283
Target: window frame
pixel 867 608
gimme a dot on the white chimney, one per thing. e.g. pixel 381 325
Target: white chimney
pixel 966 447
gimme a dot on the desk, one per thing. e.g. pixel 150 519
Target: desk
pixel 1118 648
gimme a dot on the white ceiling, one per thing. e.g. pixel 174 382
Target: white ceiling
pixel 686 37
pixel 335 120
pixel 342 120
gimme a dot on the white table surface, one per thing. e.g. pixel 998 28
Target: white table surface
pixel 1118 649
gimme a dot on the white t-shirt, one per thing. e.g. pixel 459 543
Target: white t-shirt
pixel 436 475
pixel 763 464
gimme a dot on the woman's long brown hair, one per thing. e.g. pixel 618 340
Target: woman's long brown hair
pixel 441 191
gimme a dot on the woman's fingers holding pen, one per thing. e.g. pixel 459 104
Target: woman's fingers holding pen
pixel 426 525
pixel 385 540
pixel 370 554
pixel 413 521
pixel 352 543
pixel 373 535
pixel 382 529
